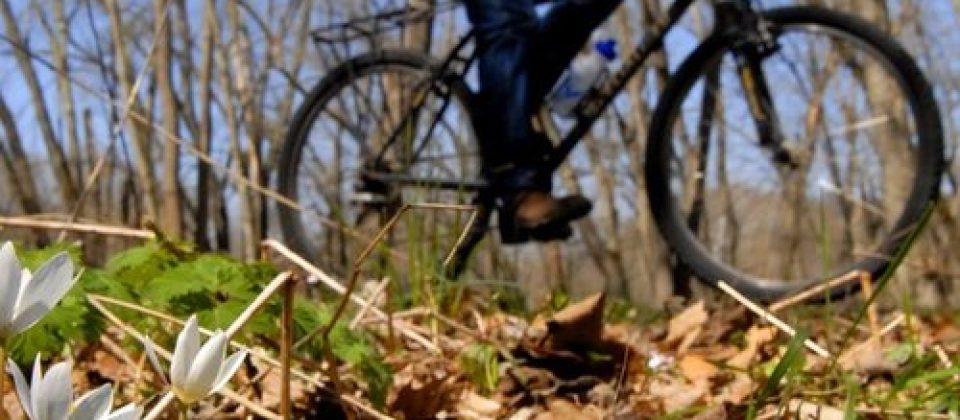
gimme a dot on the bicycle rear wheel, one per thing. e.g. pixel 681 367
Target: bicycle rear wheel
pixel 373 119
pixel 861 125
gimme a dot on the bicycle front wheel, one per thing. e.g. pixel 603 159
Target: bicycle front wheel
pixel 354 152
pixel 863 133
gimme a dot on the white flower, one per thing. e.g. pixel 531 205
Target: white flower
pixel 196 371
pixel 659 361
pixel 25 298
pixel 50 397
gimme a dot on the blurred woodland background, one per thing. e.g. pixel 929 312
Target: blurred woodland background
pixel 175 111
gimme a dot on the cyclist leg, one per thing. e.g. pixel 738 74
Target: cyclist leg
pixel 505 29
pixel 512 151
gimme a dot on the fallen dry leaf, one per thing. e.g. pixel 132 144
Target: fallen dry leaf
pixel 11 404
pixel 688 340
pixel 718 353
pixel 695 368
pixel 560 409
pixel 109 366
pixel 867 358
pixel 525 413
pixel 807 410
pixel 736 391
pixel 676 394
pixel 578 326
pixel 602 394
pixel 504 327
pixel 421 390
pixel 756 337
pixel 474 406
pixel 714 412
pixel 685 322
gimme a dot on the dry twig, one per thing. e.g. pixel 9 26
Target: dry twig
pixel 816 290
pixel 769 317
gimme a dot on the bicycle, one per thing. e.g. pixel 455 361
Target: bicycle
pixel 847 176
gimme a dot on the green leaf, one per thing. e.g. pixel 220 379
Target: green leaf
pixel 351 347
pixel 41 339
pixel 181 280
pixel 101 283
pixel 222 315
pixel 34 258
pixel 899 353
pixel 853 392
pixel 137 265
pixel 481 363
pixel 792 361
pixel 378 377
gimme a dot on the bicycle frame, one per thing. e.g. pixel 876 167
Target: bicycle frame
pixel 730 15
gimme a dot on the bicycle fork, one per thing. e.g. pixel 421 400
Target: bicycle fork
pixel 757 42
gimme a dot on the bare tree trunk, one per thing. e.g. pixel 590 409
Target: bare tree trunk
pixel 188 71
pixel 587 228
pixel 204 180
pixel 61 168
pixel 20 174
pixel 97 247
pixel 293 67
pixel 225 77
pixel 649 250
pixel 139 131
pixel 657 261
pixel 221 218
pixel 731 221
pixel 100 206
pixel 58 48
pixel 242 88
pixel 170 208
pixel 695 190
pixel 417 35
pixel 610 238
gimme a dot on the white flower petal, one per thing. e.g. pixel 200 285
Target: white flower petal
pixel 9 287
pixel 23 390
pixel 94 404
pixel 188 344
pixel 56 393
pixel 151 351
pixel 228 369
pixel 128 412
pixel 36 387
pixel 42 292
pixel 206 367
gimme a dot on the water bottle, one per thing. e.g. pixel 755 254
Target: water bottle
pixel 587 70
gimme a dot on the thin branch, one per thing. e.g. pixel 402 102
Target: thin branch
pixel 769 317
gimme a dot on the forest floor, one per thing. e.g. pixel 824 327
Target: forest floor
pixel 467 357
pixel 705 363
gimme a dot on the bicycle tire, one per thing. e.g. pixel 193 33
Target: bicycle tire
pixel 298 230
pixel 671 217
